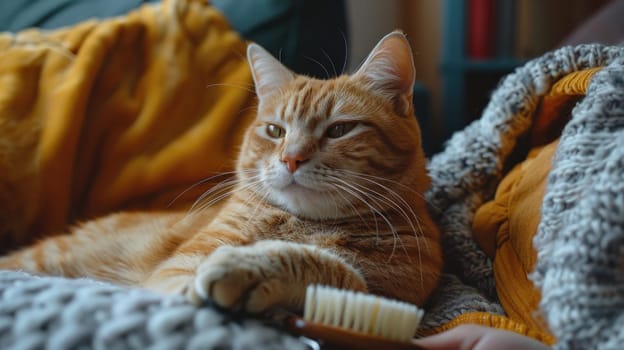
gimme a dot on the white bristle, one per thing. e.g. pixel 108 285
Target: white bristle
pixel 361 312
pixel 310 301
pixel 338 309
pixel 348 315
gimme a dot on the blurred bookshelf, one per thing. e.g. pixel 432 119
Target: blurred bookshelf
pixel 484 40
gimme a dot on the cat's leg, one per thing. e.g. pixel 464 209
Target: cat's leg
pixel 119 248
pixel 174 274
pixel 57 255
pixel 267 274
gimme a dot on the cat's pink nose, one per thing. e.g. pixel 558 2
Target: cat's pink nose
pixel 294 161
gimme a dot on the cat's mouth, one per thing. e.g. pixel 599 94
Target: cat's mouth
pixel 296 186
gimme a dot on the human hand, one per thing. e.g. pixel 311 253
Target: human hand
pixel 473 337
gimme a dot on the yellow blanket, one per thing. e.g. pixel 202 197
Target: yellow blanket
pixel 116 114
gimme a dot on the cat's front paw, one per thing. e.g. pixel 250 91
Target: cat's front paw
pixel 241 279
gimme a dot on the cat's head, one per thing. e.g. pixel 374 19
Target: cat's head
pixel 335 148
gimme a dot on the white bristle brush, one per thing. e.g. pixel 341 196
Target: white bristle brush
pixel 348 319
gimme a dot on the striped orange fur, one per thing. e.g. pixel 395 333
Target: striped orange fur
pixel 328 190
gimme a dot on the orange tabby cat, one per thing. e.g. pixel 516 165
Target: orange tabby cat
pixel 329 190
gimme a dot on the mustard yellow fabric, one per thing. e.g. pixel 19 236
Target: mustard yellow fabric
pixel 494 321
pixel 512 217
pixel 121 113
pixel 554 110
pixel 506 225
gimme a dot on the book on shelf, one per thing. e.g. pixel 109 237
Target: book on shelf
pixel 481 25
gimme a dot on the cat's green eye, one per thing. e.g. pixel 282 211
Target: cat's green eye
pixel 275 131
pixel 340 129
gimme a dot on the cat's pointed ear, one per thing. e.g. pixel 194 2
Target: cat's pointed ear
pixel 389 70
pixel 268 73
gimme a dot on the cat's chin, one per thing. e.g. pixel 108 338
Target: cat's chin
pixel 306 203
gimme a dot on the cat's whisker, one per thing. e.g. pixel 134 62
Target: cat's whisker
pixel 403 202
pixel 346 50
pixel 330 61
pixel 214 200
pixel 373 210
pixel 413 228
pixel 198 209
pixel 212 191
pixel 372 179
pixel 247 109
pixel 335 202
pixel 327 75
pixel 357 212
pixel 258 202
pixel 403 186
pixel 219 191
pixel 363 196
pixel 239 86
pixel 417 230
pixel 364 192
pixel 198 183
pixel 400 207
pixel 226 191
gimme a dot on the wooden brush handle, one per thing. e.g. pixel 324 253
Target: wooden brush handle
pixel 345 339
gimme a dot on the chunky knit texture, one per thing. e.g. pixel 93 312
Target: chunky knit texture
pixel 56 313
pixel 580 241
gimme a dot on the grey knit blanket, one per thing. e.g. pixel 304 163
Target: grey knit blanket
pixel 58 313
pixel 580 240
